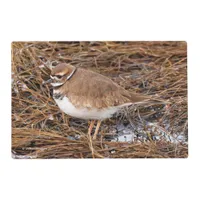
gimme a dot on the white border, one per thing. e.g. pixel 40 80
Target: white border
pixel 100 179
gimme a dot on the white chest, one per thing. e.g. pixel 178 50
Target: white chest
pixel 84 113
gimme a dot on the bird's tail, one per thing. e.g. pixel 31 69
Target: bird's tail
pixel 141 99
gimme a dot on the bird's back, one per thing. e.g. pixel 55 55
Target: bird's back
pixel 92 90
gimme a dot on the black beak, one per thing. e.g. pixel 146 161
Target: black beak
pixel 47 82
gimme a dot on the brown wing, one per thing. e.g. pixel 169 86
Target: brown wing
pixel 90 89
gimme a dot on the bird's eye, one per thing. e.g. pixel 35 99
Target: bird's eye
pixel 59 76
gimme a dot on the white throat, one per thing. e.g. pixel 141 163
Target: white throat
pixel 56 84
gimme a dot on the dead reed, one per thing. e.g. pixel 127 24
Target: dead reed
pixel 40 130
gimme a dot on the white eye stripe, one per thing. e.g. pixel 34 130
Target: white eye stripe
pixel 54 77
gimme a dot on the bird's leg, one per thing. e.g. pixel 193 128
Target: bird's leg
pixel 90 127
pixel 97 129
pixel 89 136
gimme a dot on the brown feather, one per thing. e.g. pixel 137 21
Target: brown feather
pixel 92 90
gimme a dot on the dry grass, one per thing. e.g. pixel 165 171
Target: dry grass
pixel 40 130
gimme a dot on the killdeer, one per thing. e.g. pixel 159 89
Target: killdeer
pixel 88 95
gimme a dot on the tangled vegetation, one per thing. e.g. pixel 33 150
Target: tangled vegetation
pixel 41 130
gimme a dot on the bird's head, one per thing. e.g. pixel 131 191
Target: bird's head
pixel 61 73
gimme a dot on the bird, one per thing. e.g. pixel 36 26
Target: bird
pixel 85 94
